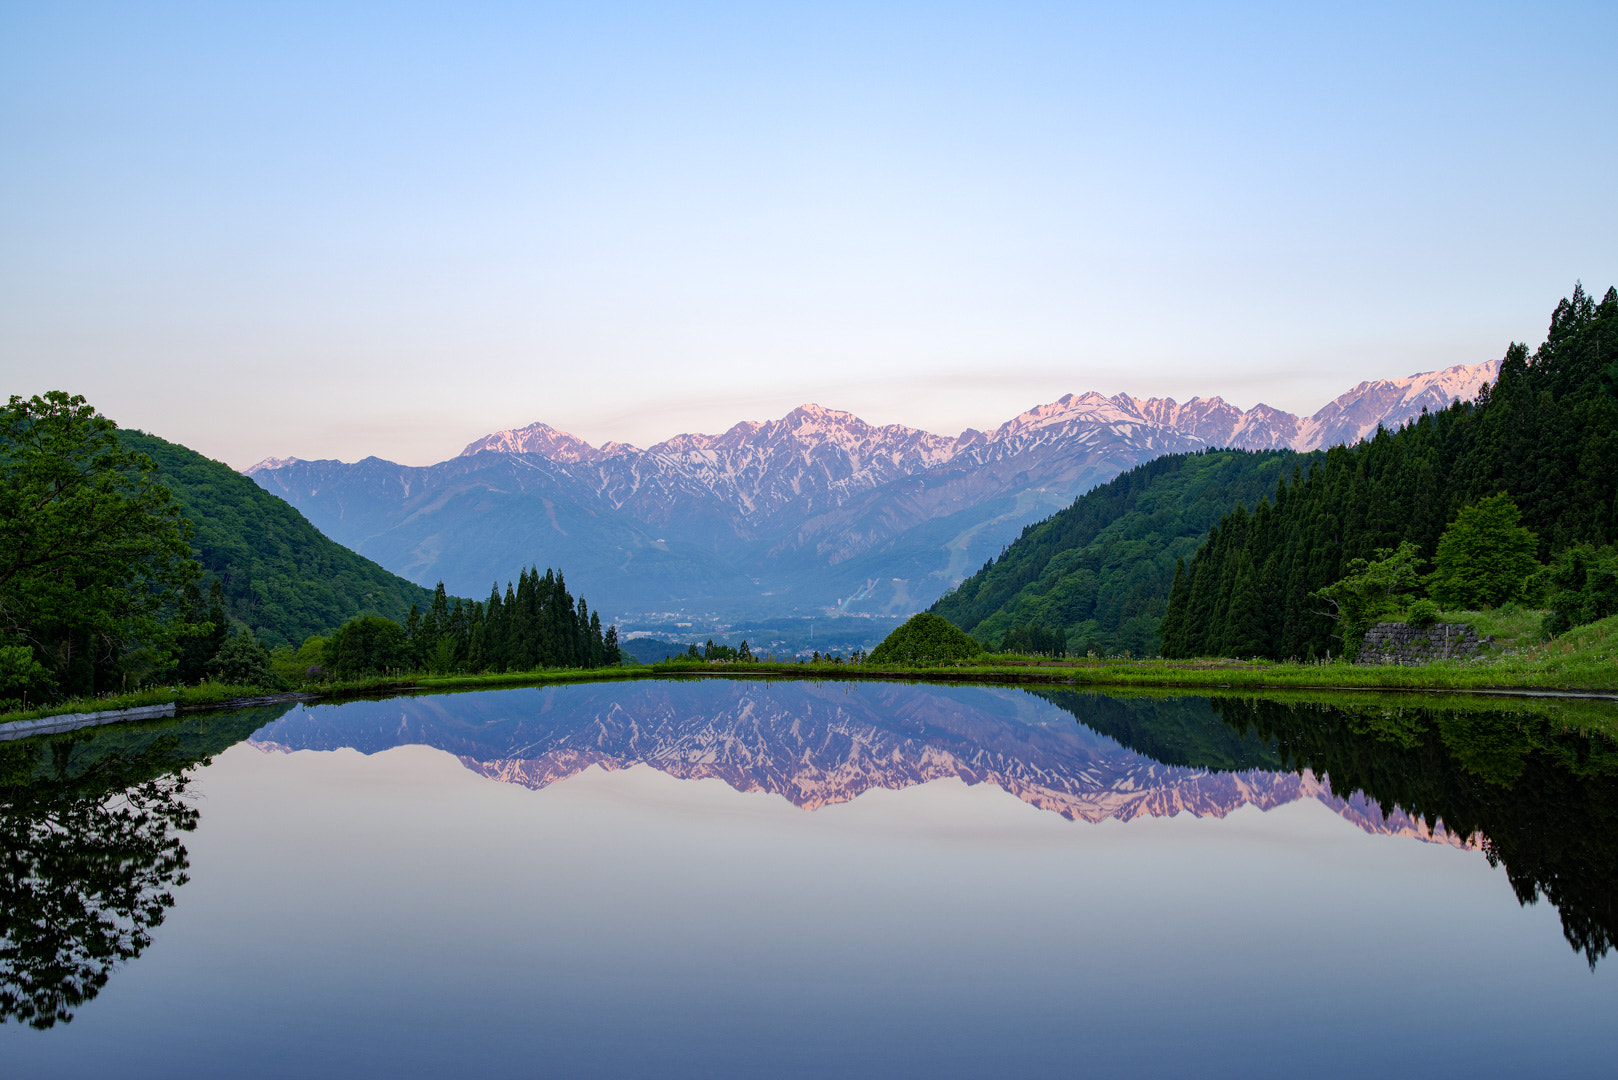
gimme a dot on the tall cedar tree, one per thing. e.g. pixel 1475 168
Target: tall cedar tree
pixel 536 624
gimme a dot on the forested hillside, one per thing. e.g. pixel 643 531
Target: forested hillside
pixel 1102 568
pixel 1545 434
pixel 279 574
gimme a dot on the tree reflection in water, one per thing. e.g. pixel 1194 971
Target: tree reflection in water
pixel 1533 782
pixel 90 827
pixel 1537 786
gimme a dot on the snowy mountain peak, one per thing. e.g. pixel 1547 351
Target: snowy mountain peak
pixel 272 463
pixel 1391 402
pixel 820 456
pixel 816 510
pixel 543 439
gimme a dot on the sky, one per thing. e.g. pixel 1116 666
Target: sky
pixel 335 230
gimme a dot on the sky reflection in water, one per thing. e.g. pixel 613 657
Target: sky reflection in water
pixel 704 878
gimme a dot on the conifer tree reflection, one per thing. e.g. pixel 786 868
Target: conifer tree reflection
pixel 91 853
pixel 1539 793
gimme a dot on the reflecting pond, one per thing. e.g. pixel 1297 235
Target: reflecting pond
pixel 724 877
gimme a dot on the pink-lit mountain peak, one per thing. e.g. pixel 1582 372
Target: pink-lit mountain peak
pixel 1357 413
pixel 273 463
pixel 543 439
pixel 1208 421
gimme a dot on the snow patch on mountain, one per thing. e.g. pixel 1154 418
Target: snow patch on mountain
pixel 272 463
pixel 849 454
pixel 1391 402
pixel 543 439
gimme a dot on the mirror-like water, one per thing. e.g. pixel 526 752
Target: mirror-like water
pixel 716 877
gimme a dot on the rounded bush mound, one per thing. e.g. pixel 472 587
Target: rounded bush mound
pixel 924 641
pixel 1422 614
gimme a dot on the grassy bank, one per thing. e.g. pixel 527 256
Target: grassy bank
pixel 1584 660
pixel 222 695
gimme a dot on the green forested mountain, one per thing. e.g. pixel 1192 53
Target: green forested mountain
pixel 1546 434
pixel 280 575
pixel 1102 568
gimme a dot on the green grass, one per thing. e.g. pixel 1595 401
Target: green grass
pixel 1507 624
pixel 1582 660
pixel 220 695
pixel 182 696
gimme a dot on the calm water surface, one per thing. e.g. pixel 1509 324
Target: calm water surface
pixel 719 878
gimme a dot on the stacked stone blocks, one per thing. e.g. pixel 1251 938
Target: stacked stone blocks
pixel 1401 643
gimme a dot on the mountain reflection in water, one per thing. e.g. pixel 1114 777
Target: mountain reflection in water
pixel 820 744
pixel 1515 777
pixel 92 820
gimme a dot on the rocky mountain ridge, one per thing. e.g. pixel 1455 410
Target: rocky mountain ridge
pixel 1212 421
pixel 816 512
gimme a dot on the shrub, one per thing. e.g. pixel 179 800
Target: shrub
pixel 1422 614
pixel 244 661
pixel 924 641
pixel 21 675
pixel 365 646
pixel 1372 589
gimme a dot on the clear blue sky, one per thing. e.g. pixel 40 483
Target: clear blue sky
pixel 333 230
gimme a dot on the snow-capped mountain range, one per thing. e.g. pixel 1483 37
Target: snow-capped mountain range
pixel 817 511
pixel 1211 421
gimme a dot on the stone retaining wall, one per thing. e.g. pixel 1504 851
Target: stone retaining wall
pixel 1401 643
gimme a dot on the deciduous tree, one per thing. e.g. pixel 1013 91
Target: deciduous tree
pixel 1485 557
pixel 93 550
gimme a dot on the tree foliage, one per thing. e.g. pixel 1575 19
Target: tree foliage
pixel 1545 434
pixel 1371 590
pixel 1035 638
pixel 925 640
pixel 1485 557
pixel 93 549
pixel 1582 587
pixel 205 626
pixel 537 624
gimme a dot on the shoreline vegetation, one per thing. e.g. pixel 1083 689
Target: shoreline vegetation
pixel 1582 663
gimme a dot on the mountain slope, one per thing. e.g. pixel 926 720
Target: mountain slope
pixel 1102 568
pixel 817 512
pixel 279 574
